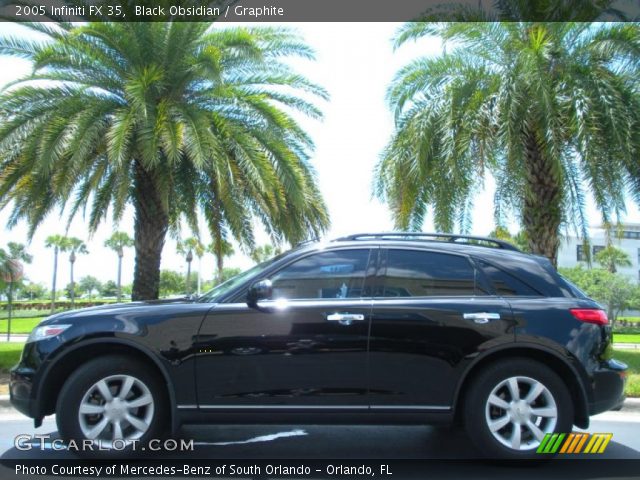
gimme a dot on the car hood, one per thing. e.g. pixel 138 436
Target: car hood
pixel 170 307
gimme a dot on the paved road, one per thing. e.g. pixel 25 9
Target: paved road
pixel 322 442
pixel 417 444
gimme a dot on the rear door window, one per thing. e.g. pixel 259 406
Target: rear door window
pixel 414 273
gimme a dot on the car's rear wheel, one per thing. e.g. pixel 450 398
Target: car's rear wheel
pixel 114 402
pixel 513 404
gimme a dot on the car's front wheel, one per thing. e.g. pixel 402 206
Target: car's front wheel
pixel 114 402
pixel 511 405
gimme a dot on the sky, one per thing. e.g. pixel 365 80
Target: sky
pixel 355 62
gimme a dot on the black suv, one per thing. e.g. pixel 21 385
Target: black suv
pixel 370 328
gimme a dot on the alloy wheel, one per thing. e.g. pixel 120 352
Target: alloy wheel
pixel 520 411
pixel 116 408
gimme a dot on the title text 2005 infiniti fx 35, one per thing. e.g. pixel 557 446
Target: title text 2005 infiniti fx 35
pixel 371 328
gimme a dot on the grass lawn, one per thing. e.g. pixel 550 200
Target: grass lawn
pixel 9 355
pixel 626 337
pixel 19 325
pixel 631 358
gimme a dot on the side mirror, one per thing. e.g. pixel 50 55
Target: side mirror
pixel 261 290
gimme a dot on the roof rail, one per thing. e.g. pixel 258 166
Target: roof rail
pixel 306 242
pixel 433 237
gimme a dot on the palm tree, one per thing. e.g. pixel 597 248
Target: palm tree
pixel 611 258
pixel 117 242
pixel 551 110
pixel 172 118
pixel 75 247
pixel 59 244
pixel 188 247
pixel 519 239
pixel 220 248
pixel 11 272
pixel 263 253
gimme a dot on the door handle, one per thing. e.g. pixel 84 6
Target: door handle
pixel 481 317
pixel 345 317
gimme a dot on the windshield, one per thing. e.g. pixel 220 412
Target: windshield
pixel 230 284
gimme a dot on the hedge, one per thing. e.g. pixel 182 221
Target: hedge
pixel 46 305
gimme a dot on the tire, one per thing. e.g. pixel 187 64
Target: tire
pixel 84 411
pixel 493 414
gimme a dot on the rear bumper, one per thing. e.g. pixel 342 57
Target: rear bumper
pixel 608 386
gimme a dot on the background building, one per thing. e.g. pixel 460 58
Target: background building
pixel 627 239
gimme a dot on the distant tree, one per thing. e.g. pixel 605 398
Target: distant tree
pixel 90 285
pixel 110 289
pixel 59 244
pixel 611 258
pixel 127 289
pixel 264 252
pixel 188 248
pixel 171 283
pixel 11 272
pixel 519 240
pixel 118 242
pixel 74 246
pixel 227 273
pixel 221 249
pixel 77 290
pixel 33 291
pixel 18 288
pixel 614 291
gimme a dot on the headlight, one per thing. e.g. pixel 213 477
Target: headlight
pixel 46 331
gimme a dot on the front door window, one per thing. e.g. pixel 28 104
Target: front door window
pixel 327 275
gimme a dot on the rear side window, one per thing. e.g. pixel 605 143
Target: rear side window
pixel 505 284
pixel 426 274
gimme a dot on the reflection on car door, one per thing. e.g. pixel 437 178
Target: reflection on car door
pixel 430 316
pixel 305 348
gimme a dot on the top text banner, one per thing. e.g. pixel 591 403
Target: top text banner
pixel 318 10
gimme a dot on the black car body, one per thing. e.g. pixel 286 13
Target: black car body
pixel 371 328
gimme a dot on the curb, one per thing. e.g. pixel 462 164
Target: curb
pixel 15 338
pixel 631 405
pixel 5 404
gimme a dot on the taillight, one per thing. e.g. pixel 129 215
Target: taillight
pixel 590 315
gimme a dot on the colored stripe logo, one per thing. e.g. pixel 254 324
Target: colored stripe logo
pixel 574 443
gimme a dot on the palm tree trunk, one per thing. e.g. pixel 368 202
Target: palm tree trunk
pixel 188 285
pixel 119 278
pixel 199 275
pixel 217 252
pixel 151 225
pixel 542 213
pixel 10 305
pixel 73 287
pixel 220 263
pixel 55 274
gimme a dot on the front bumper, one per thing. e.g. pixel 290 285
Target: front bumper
pixel 608 386
pixel 20 391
